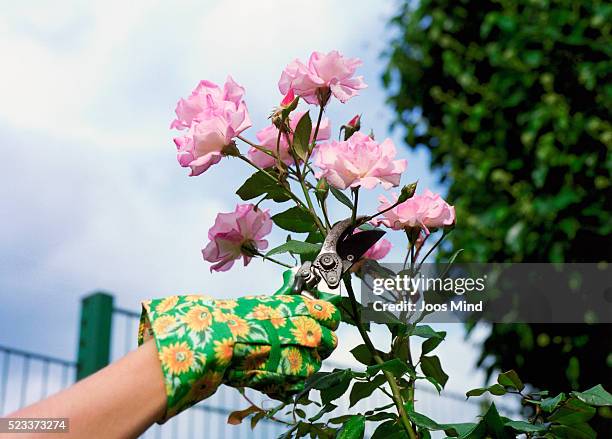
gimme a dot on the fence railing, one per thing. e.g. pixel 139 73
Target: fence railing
pixel 108 332
pixel 26 377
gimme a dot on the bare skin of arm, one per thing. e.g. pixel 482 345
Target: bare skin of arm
pixel 120 401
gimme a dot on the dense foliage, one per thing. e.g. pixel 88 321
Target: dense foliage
pixel 513 99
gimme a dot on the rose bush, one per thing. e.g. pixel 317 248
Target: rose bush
pixel 291 165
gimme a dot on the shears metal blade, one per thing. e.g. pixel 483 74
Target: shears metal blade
pixel 341 249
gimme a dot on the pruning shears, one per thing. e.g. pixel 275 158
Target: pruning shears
pixel 340 250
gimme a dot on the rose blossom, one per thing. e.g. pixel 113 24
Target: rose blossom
pixel 213 117
pixel 359 161
pixel 236 234
pixel 324 73
pixel 378 250
pixel 424 211
pixel 268 136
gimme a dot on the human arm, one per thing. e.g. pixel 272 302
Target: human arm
pixel 122 400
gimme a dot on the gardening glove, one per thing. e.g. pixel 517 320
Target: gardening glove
pixel 268 343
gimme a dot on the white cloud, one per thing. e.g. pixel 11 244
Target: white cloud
pixel 91 196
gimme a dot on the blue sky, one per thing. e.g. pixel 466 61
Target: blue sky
pixel 91 195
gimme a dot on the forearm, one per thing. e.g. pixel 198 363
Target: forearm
pixel 122 400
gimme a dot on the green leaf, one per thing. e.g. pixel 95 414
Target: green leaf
pixel 510 379
pixel 431 343
pixel 346 311
pixel 424 422
pixel 314 238
pixel 396 366
pixel 334 392
pixel 525 427
pixel 494 424
pixel 390 430
pixel 288 433
pixel 259 184
pixel 383 416
pixel 296 247
pixel 362 390
pixel 431 367
pixel 550 404
pixel 354 428
pixel 434 383
pixel 497 390
pixel 596 396
pixel 329 407
pixel 476 392
pixel 301 137
pixel 322 380
pixel 256 418
pixel 363 355
pixel 339 195
pixel 574 431
pixel 573 411
pixel 425 331
pixel 295 219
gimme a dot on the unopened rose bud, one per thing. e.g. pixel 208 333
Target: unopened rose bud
pixel 322 189
pixel 280 115
pixel 407 192
pixel 289 99
pixel 351 127
pixel 355 122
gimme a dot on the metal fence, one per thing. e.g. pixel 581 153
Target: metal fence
pixel 108 332
pixel 26 377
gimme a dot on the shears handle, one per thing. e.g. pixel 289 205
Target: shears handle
pixel 288 288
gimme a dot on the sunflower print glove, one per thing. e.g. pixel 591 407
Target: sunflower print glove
pixel 268 343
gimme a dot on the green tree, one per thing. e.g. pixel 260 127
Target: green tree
pixel 513 99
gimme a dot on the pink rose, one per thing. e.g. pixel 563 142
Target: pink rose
pixel 267 137
pixel 236 234
pixel 426 211
pixel 213 118
pixel 378 250
pixel 324 73
pixel 359 161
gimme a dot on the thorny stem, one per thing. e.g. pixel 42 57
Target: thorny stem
pixel 256 146
pixel 433 248
pixel 323 204
pixel 311 208
pixel 278 159
pixel 301 180
pixel 396 395
pixel 276 261
pixel 316 133
pixel 397 203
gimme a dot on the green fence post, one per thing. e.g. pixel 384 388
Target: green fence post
pixel 94 333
